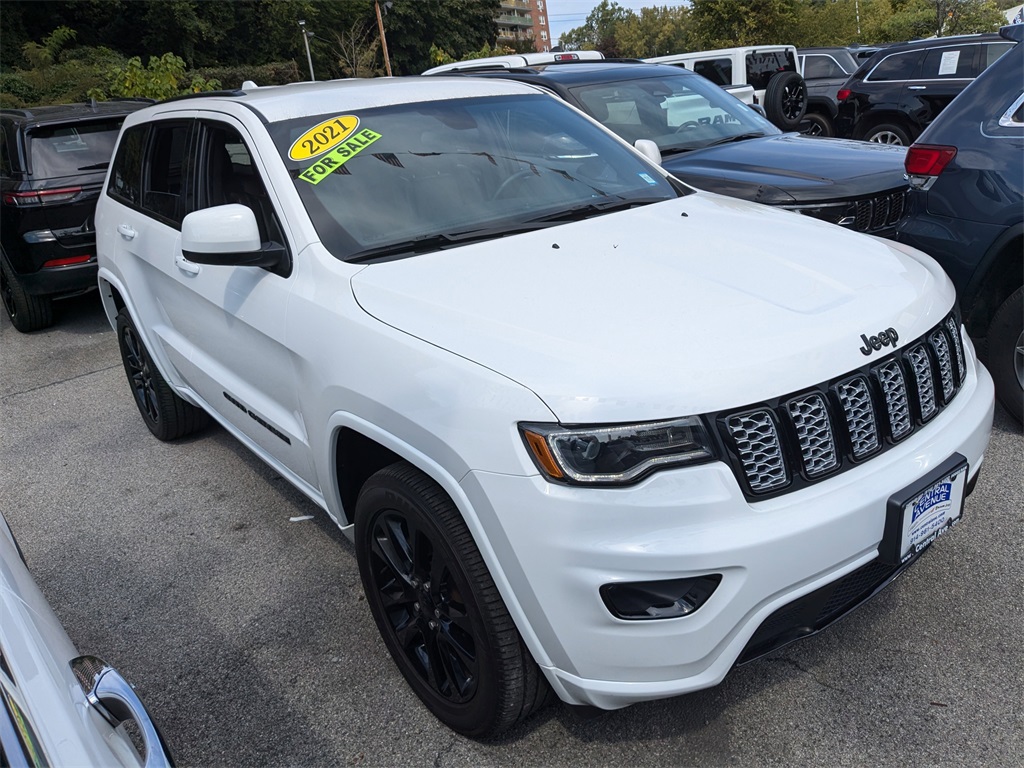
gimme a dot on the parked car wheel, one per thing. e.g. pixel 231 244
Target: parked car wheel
pixel 438 609
pixel 785 100
pixel 887 133
pixel 165 413
pixel 27 312
pixel 816 124
pixel 1006 353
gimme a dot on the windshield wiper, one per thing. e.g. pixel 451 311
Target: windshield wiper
pixel 438 242
pixel 580 212
pixel 737 137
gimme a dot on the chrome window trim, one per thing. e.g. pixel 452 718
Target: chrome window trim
pixel 1007 121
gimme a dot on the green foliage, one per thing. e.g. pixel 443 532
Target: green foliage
pixel 728 23
pixel 599 31
pixel 459 27
pixel 275 73
pixel 655 32
pixel 43 55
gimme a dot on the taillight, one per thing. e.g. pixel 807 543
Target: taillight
pixel 68 261
pixel 844 94
pixel 927 160
pixel 41 197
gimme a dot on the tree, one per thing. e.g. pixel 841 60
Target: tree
pixel 728 23
pixel 456 26
pixel 598 32
pixel 654 32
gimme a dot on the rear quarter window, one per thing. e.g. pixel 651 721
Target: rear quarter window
pixel 69 149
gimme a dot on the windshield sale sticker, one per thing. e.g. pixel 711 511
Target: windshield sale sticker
pixel 331 162
pixel 320 138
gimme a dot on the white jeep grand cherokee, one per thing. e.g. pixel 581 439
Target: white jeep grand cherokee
pixel 587 428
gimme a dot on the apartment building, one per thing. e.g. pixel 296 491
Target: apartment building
pixel 519 20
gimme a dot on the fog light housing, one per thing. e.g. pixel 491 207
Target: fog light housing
pixel 669 599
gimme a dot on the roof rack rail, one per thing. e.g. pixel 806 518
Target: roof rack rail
pixel 204 94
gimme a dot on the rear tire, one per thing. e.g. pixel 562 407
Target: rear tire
pixel 785 100
pixel 1005 353
pixel 165 413
pixel 888 133
pixel 437 608
pixel 818 125
pixel 27 312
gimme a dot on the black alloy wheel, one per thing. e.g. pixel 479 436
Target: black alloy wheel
pixel 438 609
pixel 166 415
pixel 785 100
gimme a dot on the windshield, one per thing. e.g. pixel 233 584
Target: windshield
pixel 378 181
pixel 679 112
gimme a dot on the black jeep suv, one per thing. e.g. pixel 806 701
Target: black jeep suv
pixel 52 164
pixel 897 92
pixel 715 142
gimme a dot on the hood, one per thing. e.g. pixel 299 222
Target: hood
pixel 792 168
pixel 689 306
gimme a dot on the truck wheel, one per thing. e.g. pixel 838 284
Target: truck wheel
pixel 816 124
pixel 1005 353
pixel 437 608
pixel 785 100
pixel 165 413
pixel 888 133
pixel 27 312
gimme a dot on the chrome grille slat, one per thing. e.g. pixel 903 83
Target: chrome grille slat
pixel 814 431
pixel 760 449
pixel 803 437
pixel 941 347
pixel 922 368
pixel 890 376
pixel 861 423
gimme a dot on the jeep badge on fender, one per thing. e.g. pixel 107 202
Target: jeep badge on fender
pixel 886 338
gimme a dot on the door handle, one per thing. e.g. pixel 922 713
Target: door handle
pixel 126 231
pixel 916 87
pixel 189 267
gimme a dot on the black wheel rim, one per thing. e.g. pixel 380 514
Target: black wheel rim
pixel 793 101
pixel 421 595
pixel 140 373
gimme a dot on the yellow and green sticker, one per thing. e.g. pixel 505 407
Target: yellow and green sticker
pixel 333 160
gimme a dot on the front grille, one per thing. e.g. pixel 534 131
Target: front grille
pixel 874 213
pixel 798 439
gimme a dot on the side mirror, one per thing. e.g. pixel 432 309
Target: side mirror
pixel 227 236
pixel 759 109
pixel 648 149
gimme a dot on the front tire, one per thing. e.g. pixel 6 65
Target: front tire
pixel 27 312
pixel 165 413
pixel 437 608
pixel 1005 353
pixel 818 125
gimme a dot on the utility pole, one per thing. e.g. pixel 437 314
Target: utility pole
pixel 383 39
pixel 305 38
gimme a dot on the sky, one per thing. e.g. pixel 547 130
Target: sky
pixel 564 15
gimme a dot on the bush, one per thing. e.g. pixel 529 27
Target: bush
pixel 275 73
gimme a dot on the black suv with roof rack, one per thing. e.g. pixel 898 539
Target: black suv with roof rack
pixel 713 141
pixel 53 161
pixel 896 93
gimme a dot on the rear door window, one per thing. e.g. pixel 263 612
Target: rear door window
pixel 718 71
pixel 70 149
pixel 898 66
pixel 164 171
pixel 950 63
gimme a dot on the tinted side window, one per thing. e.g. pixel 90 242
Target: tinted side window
pixel 762 66
pixel 126 175
pixel 950 63
pixel 822 66
pixel 898 66
pixel 718 71
pixel 164 171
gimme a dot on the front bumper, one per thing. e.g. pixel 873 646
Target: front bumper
pixel 557 545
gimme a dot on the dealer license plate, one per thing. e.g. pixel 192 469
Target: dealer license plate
pixel 915 522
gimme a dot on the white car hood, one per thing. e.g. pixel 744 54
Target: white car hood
pixel 690 306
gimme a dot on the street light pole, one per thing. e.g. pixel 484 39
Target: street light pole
pixel 383 40
pixel 305 38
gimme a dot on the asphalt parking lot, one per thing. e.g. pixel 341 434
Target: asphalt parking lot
pixel 191 568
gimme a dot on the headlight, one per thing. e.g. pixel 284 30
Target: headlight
pixel 615 455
